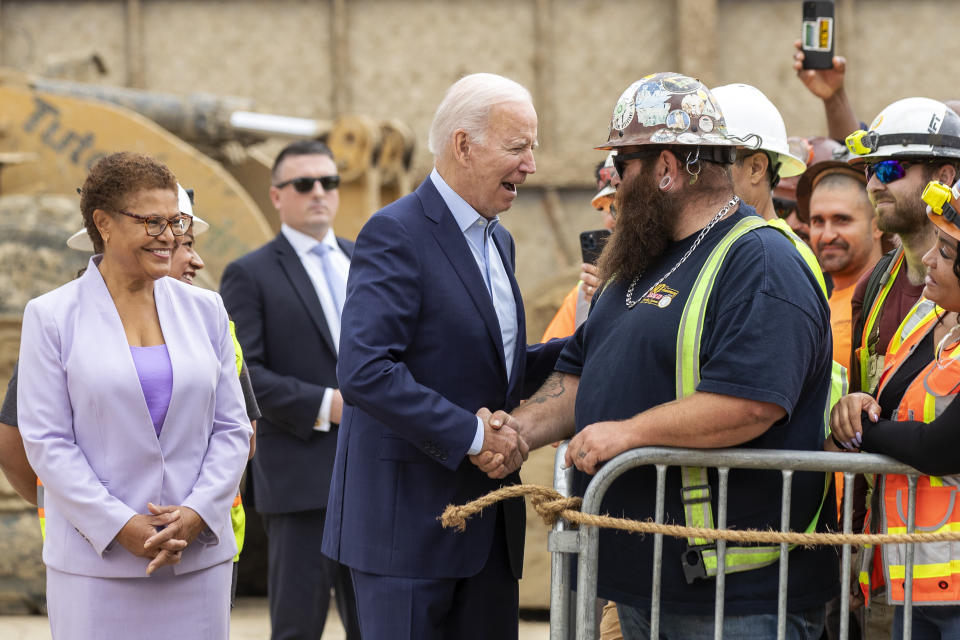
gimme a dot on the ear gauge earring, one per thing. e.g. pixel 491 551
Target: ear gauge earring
pixel 666 183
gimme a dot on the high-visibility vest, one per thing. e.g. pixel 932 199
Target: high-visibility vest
pixel 700 560
pixel 40 512
pixel 870 355
pixel 936 570
pixel 238 517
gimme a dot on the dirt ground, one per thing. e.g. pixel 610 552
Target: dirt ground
pixel 250 621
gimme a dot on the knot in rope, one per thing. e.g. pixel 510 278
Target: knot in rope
pixel 548 503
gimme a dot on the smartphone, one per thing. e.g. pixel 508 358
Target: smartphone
pixel 591 244
pixel 817 34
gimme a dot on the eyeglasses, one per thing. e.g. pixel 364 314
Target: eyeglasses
pixel 887 171
pixel 784 207
pixel 155 225
pixel 305 184
pixel 620 160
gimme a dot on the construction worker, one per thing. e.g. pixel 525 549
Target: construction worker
pixel 576 304
pixel 832 197
pixel 810 150
pixel 911 142
pixel 844 236
pixel 764 156
pixel 690 265
pixel 913 419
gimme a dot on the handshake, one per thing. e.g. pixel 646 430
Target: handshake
pixel 504 449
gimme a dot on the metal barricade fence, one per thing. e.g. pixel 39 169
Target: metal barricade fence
pixel 565 542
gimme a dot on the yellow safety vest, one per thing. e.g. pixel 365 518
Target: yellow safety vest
pixel 695 492
pixel 870 360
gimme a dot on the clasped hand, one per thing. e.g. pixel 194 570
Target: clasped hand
pixel 504 449
pixel 161 535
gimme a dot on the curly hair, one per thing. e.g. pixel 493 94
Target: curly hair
pixel 113 179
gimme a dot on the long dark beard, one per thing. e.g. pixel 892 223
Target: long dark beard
pixel 645 220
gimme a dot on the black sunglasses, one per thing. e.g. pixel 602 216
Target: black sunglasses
pixel 620 160
pixel 784 207
pixel 305 184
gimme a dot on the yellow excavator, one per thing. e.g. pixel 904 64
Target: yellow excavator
pixel 52 131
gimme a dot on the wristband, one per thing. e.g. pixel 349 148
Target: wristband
pixel 838 443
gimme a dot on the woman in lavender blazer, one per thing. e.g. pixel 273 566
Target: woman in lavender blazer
pixel 133 418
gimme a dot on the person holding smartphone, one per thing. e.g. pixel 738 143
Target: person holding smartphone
pixel 573 310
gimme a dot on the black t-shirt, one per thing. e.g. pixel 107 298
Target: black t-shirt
pixel 8 414
pixel 766 337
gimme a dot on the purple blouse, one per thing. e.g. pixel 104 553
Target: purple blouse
pixel 156 380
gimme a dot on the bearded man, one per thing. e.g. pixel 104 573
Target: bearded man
pixel 752 370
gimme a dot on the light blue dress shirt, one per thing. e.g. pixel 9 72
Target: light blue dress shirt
pixel 478 232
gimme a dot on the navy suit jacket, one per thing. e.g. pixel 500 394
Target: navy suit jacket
pixel 420 353
pixel 292 360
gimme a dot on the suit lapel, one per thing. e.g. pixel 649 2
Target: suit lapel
pixel 293 268
pixel 173 337
pixel 454 246
pixel 346 246
pixel 520 344
pixel 111 343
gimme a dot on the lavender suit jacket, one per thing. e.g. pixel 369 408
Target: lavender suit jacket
pixel 89 436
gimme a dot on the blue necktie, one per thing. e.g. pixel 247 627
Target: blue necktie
pixel 335 284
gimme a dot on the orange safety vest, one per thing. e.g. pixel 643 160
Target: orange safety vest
pixel 936 570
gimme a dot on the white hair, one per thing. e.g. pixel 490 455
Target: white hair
pixel 467 105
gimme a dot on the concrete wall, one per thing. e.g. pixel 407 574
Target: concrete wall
pixel 394 58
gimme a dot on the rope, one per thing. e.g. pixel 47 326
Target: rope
pixel 550 506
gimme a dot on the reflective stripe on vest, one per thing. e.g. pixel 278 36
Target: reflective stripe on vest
pixel 41 514
pixel 695 492
pixel 871 362
pixel 936 571
pixel 238 520
pixel 237 349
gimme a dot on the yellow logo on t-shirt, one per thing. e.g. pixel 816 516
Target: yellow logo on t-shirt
pixel 661 296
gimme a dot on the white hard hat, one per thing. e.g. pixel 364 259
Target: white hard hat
pixel 81 241
pixel 912 127
pixel 750 114
pixel 185 201
pixel 608 181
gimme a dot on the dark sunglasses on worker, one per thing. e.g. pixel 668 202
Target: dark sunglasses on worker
pixel 305 184
pixel 620 160
pixel 887 171
pixel 784 207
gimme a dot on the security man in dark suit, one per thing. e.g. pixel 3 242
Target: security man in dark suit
pixel 286 298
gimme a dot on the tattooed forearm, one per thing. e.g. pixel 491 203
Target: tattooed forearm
pixel 553 387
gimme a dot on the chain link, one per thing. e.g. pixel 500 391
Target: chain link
pixel 631 303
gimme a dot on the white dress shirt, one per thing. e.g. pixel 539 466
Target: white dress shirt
pixel 303 245
pixel 478 232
